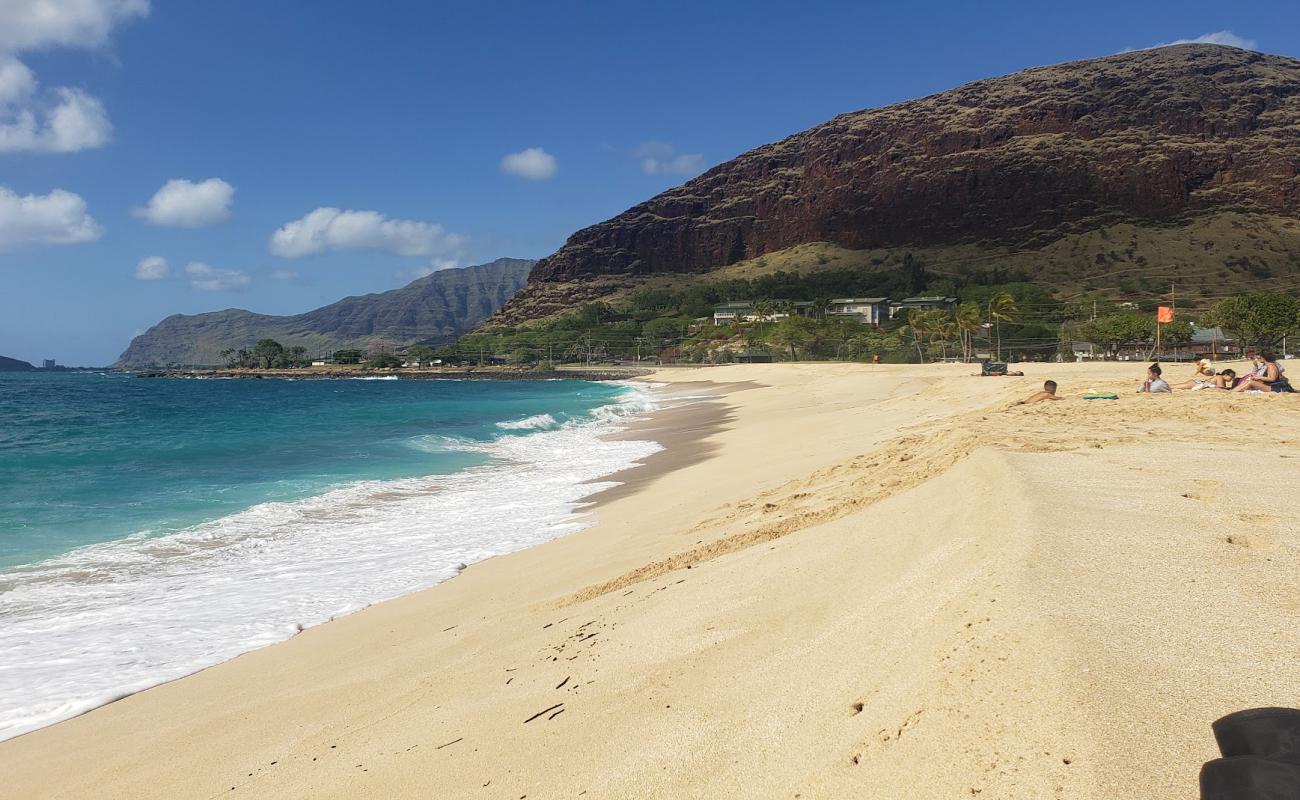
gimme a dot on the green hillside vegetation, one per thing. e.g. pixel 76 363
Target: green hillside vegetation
pixel 1000 312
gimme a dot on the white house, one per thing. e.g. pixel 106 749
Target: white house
pixel 867 310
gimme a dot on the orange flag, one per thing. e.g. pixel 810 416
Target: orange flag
pixel 1164 315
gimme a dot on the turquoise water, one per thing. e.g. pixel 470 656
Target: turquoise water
pixel 88 457
pixel 151 528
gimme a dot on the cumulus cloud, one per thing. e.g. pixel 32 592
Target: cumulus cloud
pixel 535 164
pixel 185 204
pixel 65 119
pixel 207 278
pixel 661 158
pixel 328 229
pixel 1218 37
pixel 34 24
pixel 56 218
pixel 153 268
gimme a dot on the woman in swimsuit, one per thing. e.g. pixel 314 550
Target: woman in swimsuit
pixel 1272 379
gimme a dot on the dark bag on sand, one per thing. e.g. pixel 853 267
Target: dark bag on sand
pixel 1250 778
pixel 1265 732
pixel 993 368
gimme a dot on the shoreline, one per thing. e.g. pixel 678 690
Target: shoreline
pixel 621 410
pixel 487 373
pixel 852 580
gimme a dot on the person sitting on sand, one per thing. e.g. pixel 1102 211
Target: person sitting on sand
pixel 1272 378
pixel 1203 378
pixel 1048 393
pixel 1154 383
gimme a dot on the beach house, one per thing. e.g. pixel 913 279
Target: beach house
pixel 867 310
pixel 899 308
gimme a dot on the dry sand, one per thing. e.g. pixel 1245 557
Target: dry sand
pixel 838 581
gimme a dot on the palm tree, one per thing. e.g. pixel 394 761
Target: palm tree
pixel 918 321
pixel 968 322
pixel 1002 308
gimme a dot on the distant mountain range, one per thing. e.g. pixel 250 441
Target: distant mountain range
pixel 1119 175
pixel 435 309
pixel 14 365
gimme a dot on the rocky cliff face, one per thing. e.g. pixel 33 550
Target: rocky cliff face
pixel 434 309
pixel 1149 137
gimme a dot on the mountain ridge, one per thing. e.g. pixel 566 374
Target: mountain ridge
pixel 433 309
pixel 1152 138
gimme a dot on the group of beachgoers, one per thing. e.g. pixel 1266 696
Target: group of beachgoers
pixel 1266 376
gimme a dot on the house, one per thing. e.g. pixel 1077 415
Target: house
pixel 899 308
pixel 867 310
pixel 731 313
pixel 322 362
pixel 737 312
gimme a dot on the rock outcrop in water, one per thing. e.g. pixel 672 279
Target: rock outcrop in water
pixel 1149 138
pixel 434 309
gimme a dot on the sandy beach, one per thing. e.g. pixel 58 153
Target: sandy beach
pixel 836 581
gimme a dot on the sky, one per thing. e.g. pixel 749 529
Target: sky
pixel 178 157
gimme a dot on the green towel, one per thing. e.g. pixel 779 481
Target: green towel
pixel 1100 396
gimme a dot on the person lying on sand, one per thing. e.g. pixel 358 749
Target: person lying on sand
pixel 1048 393
pixel 1226 379
pixel 1203 378
pixel 1154 383
pixel 1272 378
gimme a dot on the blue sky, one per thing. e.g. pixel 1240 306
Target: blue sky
pixel 177 157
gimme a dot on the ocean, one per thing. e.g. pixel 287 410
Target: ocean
pixel 153 527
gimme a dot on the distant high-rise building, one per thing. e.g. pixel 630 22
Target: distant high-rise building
pixel 49 363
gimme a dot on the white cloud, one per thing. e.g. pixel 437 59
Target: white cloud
pixel 184 204
pixel 328 229
pixel 535 164
pixel 16 81
pixel 661 158
pixel 437 265
pixel 65 119
pixel 206 278
pixel 56 218
pixel 1218 37
pixel 153 268
pixel 35 24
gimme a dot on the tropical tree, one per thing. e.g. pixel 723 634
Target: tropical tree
pixel 793 333
pixel 968 324
pixel 268 353
pixel 1260 320
pixel 348 356
pixel 918 322
pixel 297 355
pixel 1002 308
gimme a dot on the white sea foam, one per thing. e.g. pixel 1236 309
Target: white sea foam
pixel 110 619
pixel 374 378
pixel 536 422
